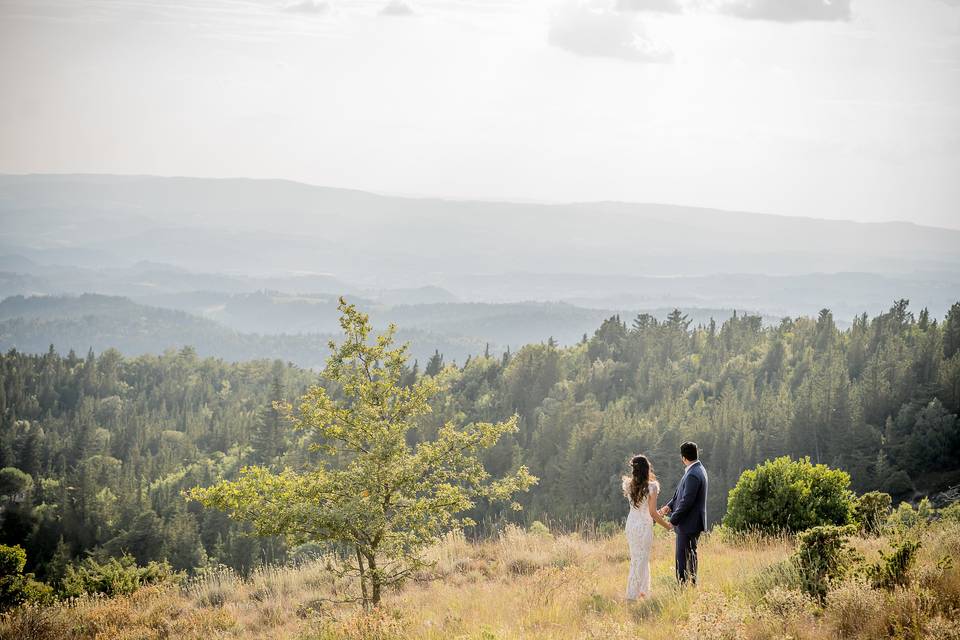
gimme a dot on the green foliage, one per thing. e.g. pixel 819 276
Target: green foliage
pixel 893 569
pixel 12 560
pixel 951 332
pixel 871 511
pixel 115 576
pixel 950 513
pixel 14 483
pixel 17 587
pixel 269 435
pixel 110 442
pixel 926 434
pixel 905 518
pixel 94 451
pixel 823 557
pixel 370 490
pixel 537 528
pixel 788 495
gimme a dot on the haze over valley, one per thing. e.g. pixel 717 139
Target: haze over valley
pixel 253 264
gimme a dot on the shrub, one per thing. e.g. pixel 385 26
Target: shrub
pixel 114 577
pixel 905 518
pixel 950 513
pixel 823 557
pixel 907 610
pixel 537 528
pixel 856 610
pixel 893 570
pixel 784 603
pixel 34 622
pixel 871 511
pixel 788 495
pixel 17 587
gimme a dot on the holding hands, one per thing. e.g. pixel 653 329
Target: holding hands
pixel 663 511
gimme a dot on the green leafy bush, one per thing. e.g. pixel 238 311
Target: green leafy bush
pixel 871 511
pixel 789 495
pixel 893 570
pixel 17 587
pixel 905 518
pixel 114 577
pixel 950 513
pixel 823 557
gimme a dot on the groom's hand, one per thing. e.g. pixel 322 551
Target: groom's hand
pixel 664 510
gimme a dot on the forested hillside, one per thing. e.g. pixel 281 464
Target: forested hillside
pixel 102 322
pixel 291 327
pixel 96 450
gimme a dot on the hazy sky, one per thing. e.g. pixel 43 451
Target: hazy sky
pixel 824 108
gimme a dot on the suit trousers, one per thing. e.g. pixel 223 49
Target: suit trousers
pixel 687 556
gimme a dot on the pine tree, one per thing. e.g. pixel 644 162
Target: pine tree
pixel 435 364
pixel 269 435
pixel 951 332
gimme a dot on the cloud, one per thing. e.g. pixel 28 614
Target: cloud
pixel 788 10
pixel 397 8
pixel 660 6
pixel 308 6
pixel 602 32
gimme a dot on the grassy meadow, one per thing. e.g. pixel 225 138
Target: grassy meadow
pixel 533 585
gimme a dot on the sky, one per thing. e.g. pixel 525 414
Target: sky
pixel 845 109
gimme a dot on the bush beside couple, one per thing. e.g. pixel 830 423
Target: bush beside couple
pixel 688 518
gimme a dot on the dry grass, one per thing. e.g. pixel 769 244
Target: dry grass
pixel 528 586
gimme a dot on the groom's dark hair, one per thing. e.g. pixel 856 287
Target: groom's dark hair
pixel 689 451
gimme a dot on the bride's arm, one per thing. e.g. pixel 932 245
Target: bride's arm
pixel 652 506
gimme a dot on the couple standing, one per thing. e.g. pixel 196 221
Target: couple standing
pixel 688 518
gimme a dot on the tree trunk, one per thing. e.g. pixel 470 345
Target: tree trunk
pixel 374 580
pixel 363 579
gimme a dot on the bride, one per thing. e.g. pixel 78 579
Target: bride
pixel 641 489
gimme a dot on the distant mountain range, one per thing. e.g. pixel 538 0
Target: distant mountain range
pixel 274 226
pixel 247 261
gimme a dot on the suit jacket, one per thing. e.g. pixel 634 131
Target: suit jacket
pixel 688 508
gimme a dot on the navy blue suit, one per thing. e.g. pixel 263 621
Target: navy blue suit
pixel 688 515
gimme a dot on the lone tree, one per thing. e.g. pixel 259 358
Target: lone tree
pixel 372 493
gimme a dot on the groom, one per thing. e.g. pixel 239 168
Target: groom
pixel 688 510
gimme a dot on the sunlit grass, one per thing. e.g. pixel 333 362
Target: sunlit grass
pixel 525 586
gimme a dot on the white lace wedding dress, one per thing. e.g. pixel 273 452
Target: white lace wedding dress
pixel 640 538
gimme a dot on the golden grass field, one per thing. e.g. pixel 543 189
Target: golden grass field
pixel 532 586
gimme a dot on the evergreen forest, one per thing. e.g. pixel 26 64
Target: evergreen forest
pixel 97 450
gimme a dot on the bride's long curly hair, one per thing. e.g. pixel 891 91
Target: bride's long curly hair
pixel 636 486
